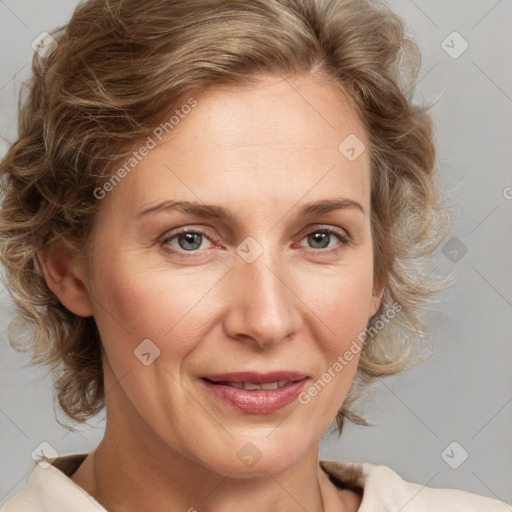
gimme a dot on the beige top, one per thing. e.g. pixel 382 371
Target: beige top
pixel 51 489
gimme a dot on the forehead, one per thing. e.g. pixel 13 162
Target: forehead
pixel 283 136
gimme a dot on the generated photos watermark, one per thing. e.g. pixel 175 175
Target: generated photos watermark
pixel 344 359
pixel 137 156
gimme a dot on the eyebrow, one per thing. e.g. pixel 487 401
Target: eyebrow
pixel 218 212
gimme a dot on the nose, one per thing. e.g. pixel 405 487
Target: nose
pixel 263 307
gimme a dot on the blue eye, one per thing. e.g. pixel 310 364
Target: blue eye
pixel 188 240
pixel 191 241
pixel 321 238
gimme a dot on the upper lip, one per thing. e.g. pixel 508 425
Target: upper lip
pixel 256 377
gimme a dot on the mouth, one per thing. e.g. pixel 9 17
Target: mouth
pixel 256 393
pixel 250 386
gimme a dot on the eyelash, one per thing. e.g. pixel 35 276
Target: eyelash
pixel 345 240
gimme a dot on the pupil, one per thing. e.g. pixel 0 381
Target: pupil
pixel 321 237
pixel 189 239
pixel 317 238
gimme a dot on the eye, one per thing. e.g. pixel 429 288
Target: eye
pixel 191 241
pixel 188 240
pixel 320 239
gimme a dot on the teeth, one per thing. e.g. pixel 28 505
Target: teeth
pixel 250 386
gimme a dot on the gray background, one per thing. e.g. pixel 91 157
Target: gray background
pixel 463 394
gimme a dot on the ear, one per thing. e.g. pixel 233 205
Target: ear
pixel 64 272
pixel 376 298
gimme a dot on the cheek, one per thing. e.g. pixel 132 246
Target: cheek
pixel 153 304
pixel 341 301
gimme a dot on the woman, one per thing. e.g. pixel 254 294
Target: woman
pixel 215 204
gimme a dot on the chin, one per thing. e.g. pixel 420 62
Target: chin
pixel 255 455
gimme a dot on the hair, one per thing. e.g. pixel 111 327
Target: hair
pixel 121 67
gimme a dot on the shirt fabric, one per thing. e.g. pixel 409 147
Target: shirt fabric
pixel 383 490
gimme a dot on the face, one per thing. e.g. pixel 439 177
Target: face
pixel 264 272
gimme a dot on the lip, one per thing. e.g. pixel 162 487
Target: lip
pixel 255 377
pixel 260 401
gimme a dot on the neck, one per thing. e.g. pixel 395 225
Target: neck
pixel 137 479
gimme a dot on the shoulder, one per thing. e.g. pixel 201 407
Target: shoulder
pixel 24 501
pixel 50 488
pixel 385 490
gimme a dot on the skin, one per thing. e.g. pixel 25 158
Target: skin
pixel 261 151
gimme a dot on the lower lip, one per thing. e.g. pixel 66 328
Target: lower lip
pixel 258 401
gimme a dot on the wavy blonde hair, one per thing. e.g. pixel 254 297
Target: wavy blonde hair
pixel 122 66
